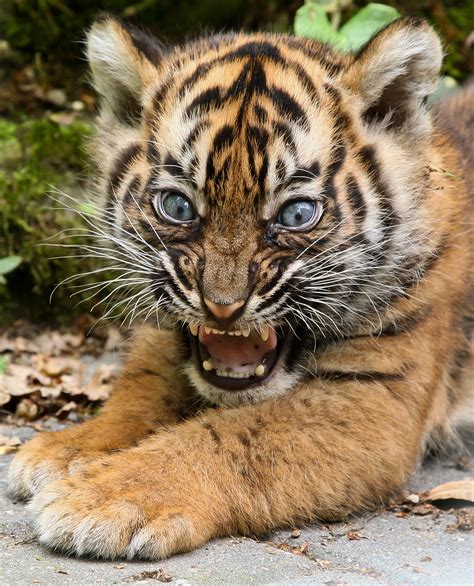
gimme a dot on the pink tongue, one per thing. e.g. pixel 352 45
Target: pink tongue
pixel 237 350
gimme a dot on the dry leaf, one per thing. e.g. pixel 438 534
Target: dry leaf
pixel 64 411
pixel 72 384
pixel 354 535
pixel 7 440
pixel 5 450
pixel 459 489
pixel 27 409
pixel 4 396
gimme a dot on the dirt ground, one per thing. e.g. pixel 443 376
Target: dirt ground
pixel 49 380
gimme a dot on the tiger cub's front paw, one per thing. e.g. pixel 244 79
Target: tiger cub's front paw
pixel 113 515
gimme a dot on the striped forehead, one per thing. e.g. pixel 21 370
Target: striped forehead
pixel 256 112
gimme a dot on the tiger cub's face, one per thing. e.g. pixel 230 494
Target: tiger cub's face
pixel 264 188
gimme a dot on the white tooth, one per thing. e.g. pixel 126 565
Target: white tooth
pixel 264 332
pixel 207 330
pixel 214 331
pixel 230 333
pixel 246 333
pixel 237 333
pixel 207 365
pixel 193 328
pixel 221 332
pixel 260 370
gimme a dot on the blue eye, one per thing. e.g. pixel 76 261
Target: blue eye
pixel 177 207
pixel 299 214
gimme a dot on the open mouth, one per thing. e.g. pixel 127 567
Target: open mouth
pixel 237 359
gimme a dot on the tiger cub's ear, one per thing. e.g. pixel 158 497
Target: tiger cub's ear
pixel 395 73
pixel 123 60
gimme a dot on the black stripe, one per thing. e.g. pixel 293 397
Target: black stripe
pixel 369 160
pixel 131 192
pixel 356 198
pixel 329 189
pixel 160 96
pixel 282 129
pixel 305 173
pixel 173 166
pixel 287 106
pixel 407 322
pixel 210 98
pixel 361 376
pixel 193 136
pixel 261 114
pixel 175 256
pixel 317 51
pixel 223 138
pixel 120 169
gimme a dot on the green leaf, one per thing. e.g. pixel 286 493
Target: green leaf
pixel 9 263
pixel 311 22
pixel 3 364
pixel 364 24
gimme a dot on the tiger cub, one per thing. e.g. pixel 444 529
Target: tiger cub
pixel 301 218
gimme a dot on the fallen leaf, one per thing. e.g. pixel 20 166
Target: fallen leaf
pixel 64 411
pixel 458 489
pixel 424 509
pixel 464 521
pixel 27 408
pixel 5 450
pixel 354 535
pixel 4 396
pixel 413 498
pixel 7 440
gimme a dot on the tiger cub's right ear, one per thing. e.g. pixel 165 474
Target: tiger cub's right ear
pixel 123 60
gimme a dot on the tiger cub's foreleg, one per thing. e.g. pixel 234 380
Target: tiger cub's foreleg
pixel 145 398
pixel 317 453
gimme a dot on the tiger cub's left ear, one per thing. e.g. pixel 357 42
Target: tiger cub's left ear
pixel 123 61
pixel 395 73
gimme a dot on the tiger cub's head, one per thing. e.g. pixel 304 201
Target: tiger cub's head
pixel 262 190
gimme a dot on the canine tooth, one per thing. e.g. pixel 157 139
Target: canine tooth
pixel 264 333
pixel 246 333
pixel 207 329
pixel 260 370
pixel 207 365
pixel 193 328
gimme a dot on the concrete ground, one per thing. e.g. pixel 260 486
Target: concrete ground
pixel 389 547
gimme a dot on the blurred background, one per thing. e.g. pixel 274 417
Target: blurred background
pixel 46 107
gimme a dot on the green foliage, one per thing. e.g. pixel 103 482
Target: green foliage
pixel 7 265
pixel 34 156
pixel 311 21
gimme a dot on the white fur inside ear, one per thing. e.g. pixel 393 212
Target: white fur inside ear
pixel 410 52
pixel 114 60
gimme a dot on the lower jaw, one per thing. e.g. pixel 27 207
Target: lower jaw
pixel 227 383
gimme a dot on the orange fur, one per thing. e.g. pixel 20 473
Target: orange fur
pixel 161 470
